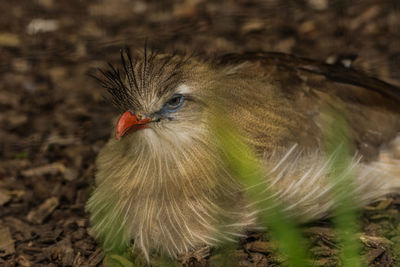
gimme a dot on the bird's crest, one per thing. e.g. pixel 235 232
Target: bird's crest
pixel 148 74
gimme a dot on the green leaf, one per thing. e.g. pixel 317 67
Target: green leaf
pixel 346 215
pixel 115 260
pixel 245 165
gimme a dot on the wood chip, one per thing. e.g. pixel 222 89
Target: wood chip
pixel 78 260
pixel 95 258
pixel 70 174
pixel 373 254
pixel 50 236
pixel 78 234
pixel 4 197
pixel 197 255
pixel 261 247
pixel 321 231
pixel 85 247
pixel 6 242
pixel 40 214
pixel 259 259
pixel 81 222
pixel 384 204
pixel 9 39
pixel 325 262
pixel 68 257
pixel 375 242
pixel 23 260
pixel 325 234
pixel 42 25
pixel 319 4
pixel 20 227
pixel 17 195
pixel 324 251
pixel 61 141
pixel 50 169
pixel 31 250
pixel 253 26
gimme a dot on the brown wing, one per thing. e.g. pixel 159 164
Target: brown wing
pixel 372 107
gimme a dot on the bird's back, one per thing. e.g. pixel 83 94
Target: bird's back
pixel 284 106
pixel 281 99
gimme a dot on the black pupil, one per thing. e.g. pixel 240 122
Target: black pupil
pixel 175 101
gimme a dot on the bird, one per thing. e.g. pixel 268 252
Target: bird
pixel 161 183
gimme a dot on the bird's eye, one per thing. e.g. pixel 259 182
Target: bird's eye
pixel 174 103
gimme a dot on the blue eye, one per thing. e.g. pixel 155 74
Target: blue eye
pixel 174 103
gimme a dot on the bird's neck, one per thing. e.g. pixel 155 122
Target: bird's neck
pixel 170 166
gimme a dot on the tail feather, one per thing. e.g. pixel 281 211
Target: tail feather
pixel 307 189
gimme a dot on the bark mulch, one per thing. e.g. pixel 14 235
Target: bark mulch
pixel 53 120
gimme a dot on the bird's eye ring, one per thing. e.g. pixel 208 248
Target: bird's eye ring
pixel 175 102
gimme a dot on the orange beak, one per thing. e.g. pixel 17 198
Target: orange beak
pixel 130 123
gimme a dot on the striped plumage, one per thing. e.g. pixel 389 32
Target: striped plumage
pixel 167 188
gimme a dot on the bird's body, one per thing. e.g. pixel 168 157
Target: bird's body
pixel 163 182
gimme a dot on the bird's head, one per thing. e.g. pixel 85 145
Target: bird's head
pixel 156 113
pixel 156 93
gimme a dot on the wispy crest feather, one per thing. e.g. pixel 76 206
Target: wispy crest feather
pixel 139 75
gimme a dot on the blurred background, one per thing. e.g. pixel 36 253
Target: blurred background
pixel 53 119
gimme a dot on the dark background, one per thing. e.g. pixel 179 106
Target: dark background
pixel 53 119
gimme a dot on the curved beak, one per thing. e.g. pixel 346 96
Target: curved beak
pixel 129 122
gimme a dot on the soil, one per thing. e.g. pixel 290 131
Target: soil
pixel 53 119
